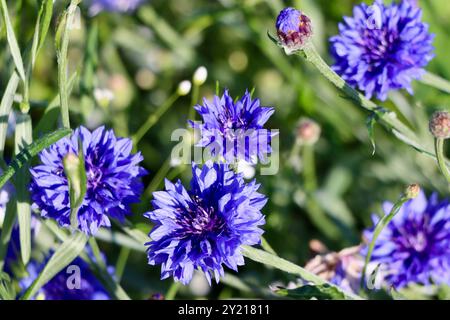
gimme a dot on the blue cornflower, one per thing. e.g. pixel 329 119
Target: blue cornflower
pixel 415 246
pixel 113 179
pixel 203 228
pixel 382 48
pixel 294 29
pixel 75 282
pixel 97 6
pixel 234 129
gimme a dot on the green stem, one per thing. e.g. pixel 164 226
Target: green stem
pixel 266 258
pixel 97 255
pixel 267 247
pixel 317 216
pixel 378 228
pixel 435 81
pixel 439 149
pixel 62 62
pixel 387 117
pixel 159 177
pixel 194 101
pixel 153 118
pixel 173 290
pixel 122 262
pixel 309 170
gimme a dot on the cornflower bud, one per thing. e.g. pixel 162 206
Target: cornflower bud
pixel 294 29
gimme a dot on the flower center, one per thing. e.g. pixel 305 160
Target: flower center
pixel 94 177
pixel 379 45
pixel 419 242
pixel 201 220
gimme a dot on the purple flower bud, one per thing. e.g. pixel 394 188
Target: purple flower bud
pixel 293 28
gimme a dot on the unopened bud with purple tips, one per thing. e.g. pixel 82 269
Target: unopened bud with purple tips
pixel 294 29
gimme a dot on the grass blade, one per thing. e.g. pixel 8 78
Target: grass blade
pixel 7 227
pixel 5 108
pixel 65 254
pixel 435 81
pixel 287 266
pixel 62 47
pixel 7 290
pixel 23 139
pixel 41 29
pixel 308 292
pixel 12 41
pixel 32 150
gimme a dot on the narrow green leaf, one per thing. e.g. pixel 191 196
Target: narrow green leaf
pixel 287 266
pixel 382 223
pixel 63 256
pixel 23 139
pixel 62 46
pixel 8 224
pixel 120 239
pixel 371 121
pixel 49 119
pixel 76 176
pixel 32 150
pixel 307 292
pixel 12 41
pixel 273 38
pixel 7 291
pixel 135 233
pixel 5 108
pixel 40 32
pixel 45 15
pixel 435 81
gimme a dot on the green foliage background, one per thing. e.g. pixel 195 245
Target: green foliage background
pixel 143 56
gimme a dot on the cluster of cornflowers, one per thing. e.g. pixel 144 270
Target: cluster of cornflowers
pixel 203 227
pixel 380 49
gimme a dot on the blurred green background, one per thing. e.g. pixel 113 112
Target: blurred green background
pixel 142 57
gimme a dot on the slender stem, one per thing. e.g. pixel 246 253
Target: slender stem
pixel 62 62
pixel 267 247
pixel 266 258
pixel 194 101
pixel 439 149
pixel 154 117
pixel 173 290
pixel 97 254
pixel 388 118
pixel 315 212
pixel 378 228
pixel 122 262
pixel 159 177
pixel 309 169
pixel 435 81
